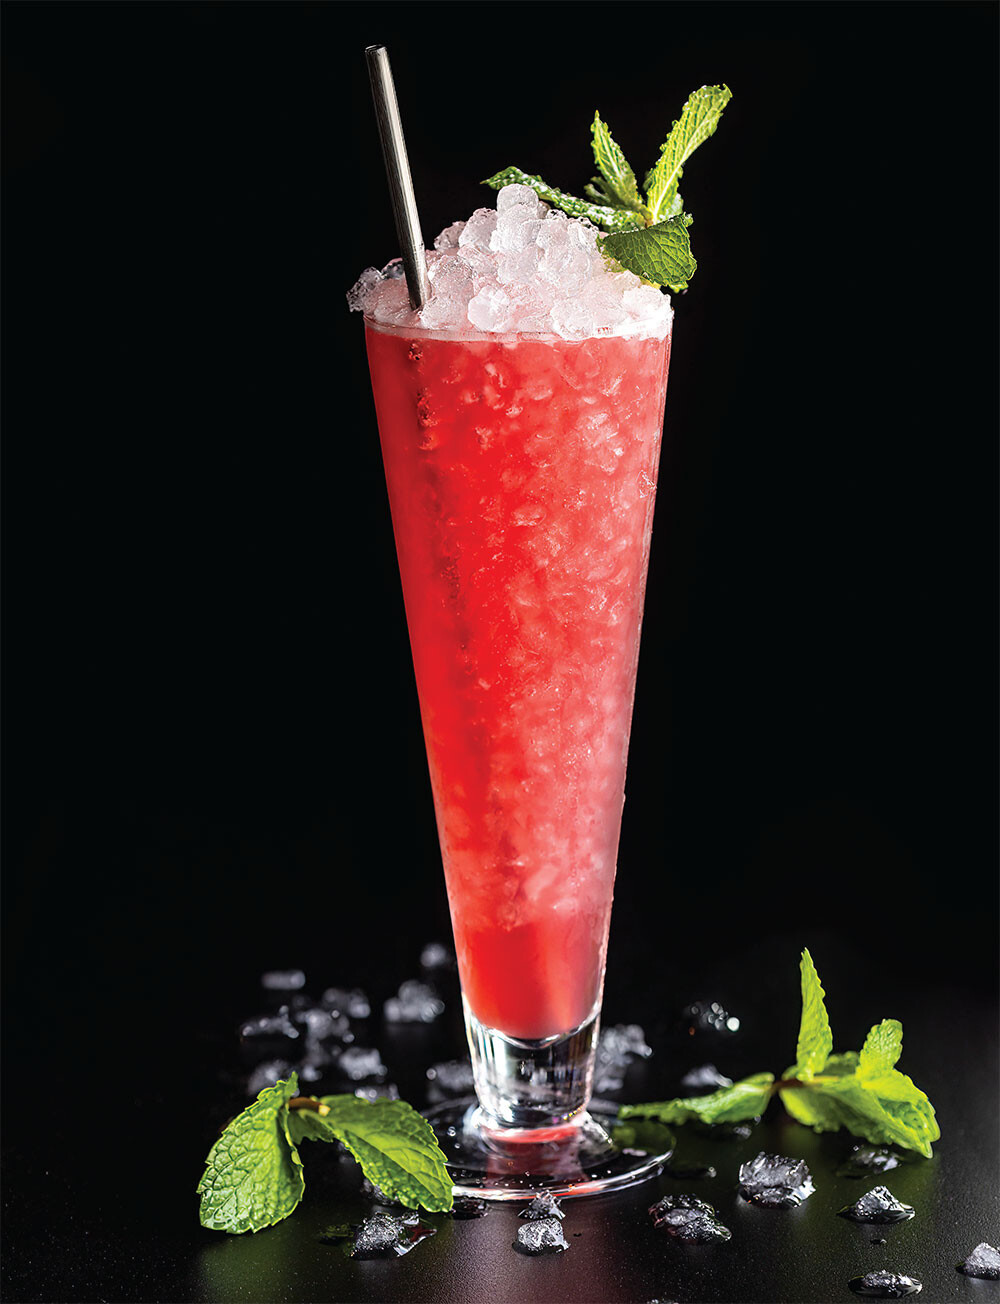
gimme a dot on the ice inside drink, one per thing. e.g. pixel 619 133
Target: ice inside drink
pixel 520 415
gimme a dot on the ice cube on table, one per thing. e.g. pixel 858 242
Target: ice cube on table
pixel 545 1205
pixel 415 1002
pixel 435 955
pixel 688 1219
pixel 706 1077
pixel 266 1075
pixel 270 1026
pixel 984 1261
pixel 878 1205
pixel 544 1236
pixel 354 1003
pixel 885 1285
pixel 775 1182
pixel 453 1076
pixel 360 1062
pixel 283 980
pixel 383 1235
pixel 379 1091
pixel 863 1161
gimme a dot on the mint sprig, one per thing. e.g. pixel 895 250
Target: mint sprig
pixel 647 236
pixel 861 1091
pixel 253 1175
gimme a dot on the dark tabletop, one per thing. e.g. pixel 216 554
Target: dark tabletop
pixel 99 1192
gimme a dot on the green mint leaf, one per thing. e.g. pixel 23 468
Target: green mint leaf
pixel 699 119
pixel 810 1106
pixel 883 1047
pixel 813 1108
pixel 887 1108
pixel 619 179
pixel 613 219
pixel 815 1038
pixel 660 254
pixel 744 1099
pixel 395 1146
pixel 253 1174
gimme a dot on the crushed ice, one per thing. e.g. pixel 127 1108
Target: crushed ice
pixel 878 1205
pixel 520 267
pixel 984 1261
pixel 688 1219
pixel 775 1182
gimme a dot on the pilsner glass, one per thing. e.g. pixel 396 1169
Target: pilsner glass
pixel 521 472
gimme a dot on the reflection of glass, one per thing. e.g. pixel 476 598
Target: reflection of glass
pixel 521 473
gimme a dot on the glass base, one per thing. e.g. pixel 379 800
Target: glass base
pixel 575 1158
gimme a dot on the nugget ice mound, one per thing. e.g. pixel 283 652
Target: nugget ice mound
pixel 519 268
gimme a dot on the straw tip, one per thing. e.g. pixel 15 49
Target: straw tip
pixel 374 49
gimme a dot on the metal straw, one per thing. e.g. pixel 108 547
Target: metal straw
pixel 397 167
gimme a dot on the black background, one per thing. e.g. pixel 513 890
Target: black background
pixel 213 753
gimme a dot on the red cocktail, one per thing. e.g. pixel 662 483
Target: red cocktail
pixel 521 474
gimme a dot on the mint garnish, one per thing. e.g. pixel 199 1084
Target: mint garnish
pixel 253 1175
pixel 395 1146
pixel 646 236
pixel 863 1092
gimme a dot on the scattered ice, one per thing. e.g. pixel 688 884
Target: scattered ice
pixel 775 1182
pixel 283 980
pixel 415 1002
pixel 709 1016
pixel 360 1062
pixel 878 1205
pixel 542 1206
pixel 466 1207
pixel 617 1046
pixel 544 1236
pixel 266 1075
pixel 353 1003
pixel 453 1076
pixel 314 1064
pixel 706 1077
pixel 436 956
pixel 517 267
pixel 383 1091
pixel 321 1025
pixel 270 1026
pixel 383 1235
pixel 688 1219
pixel 863 1161
pixel 984 1261
pixel 885 1285
pixel 879 1240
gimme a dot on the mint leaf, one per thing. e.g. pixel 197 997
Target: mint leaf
pixel 813 1109
pixel 887 1108
pixel 613 219
pixel 883 1047
pixel 744 1099
pixel 815 1038
pixel 253 1174
pixel 699 119
pixel 619 179
pixel 661 253
pixel 395 1146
